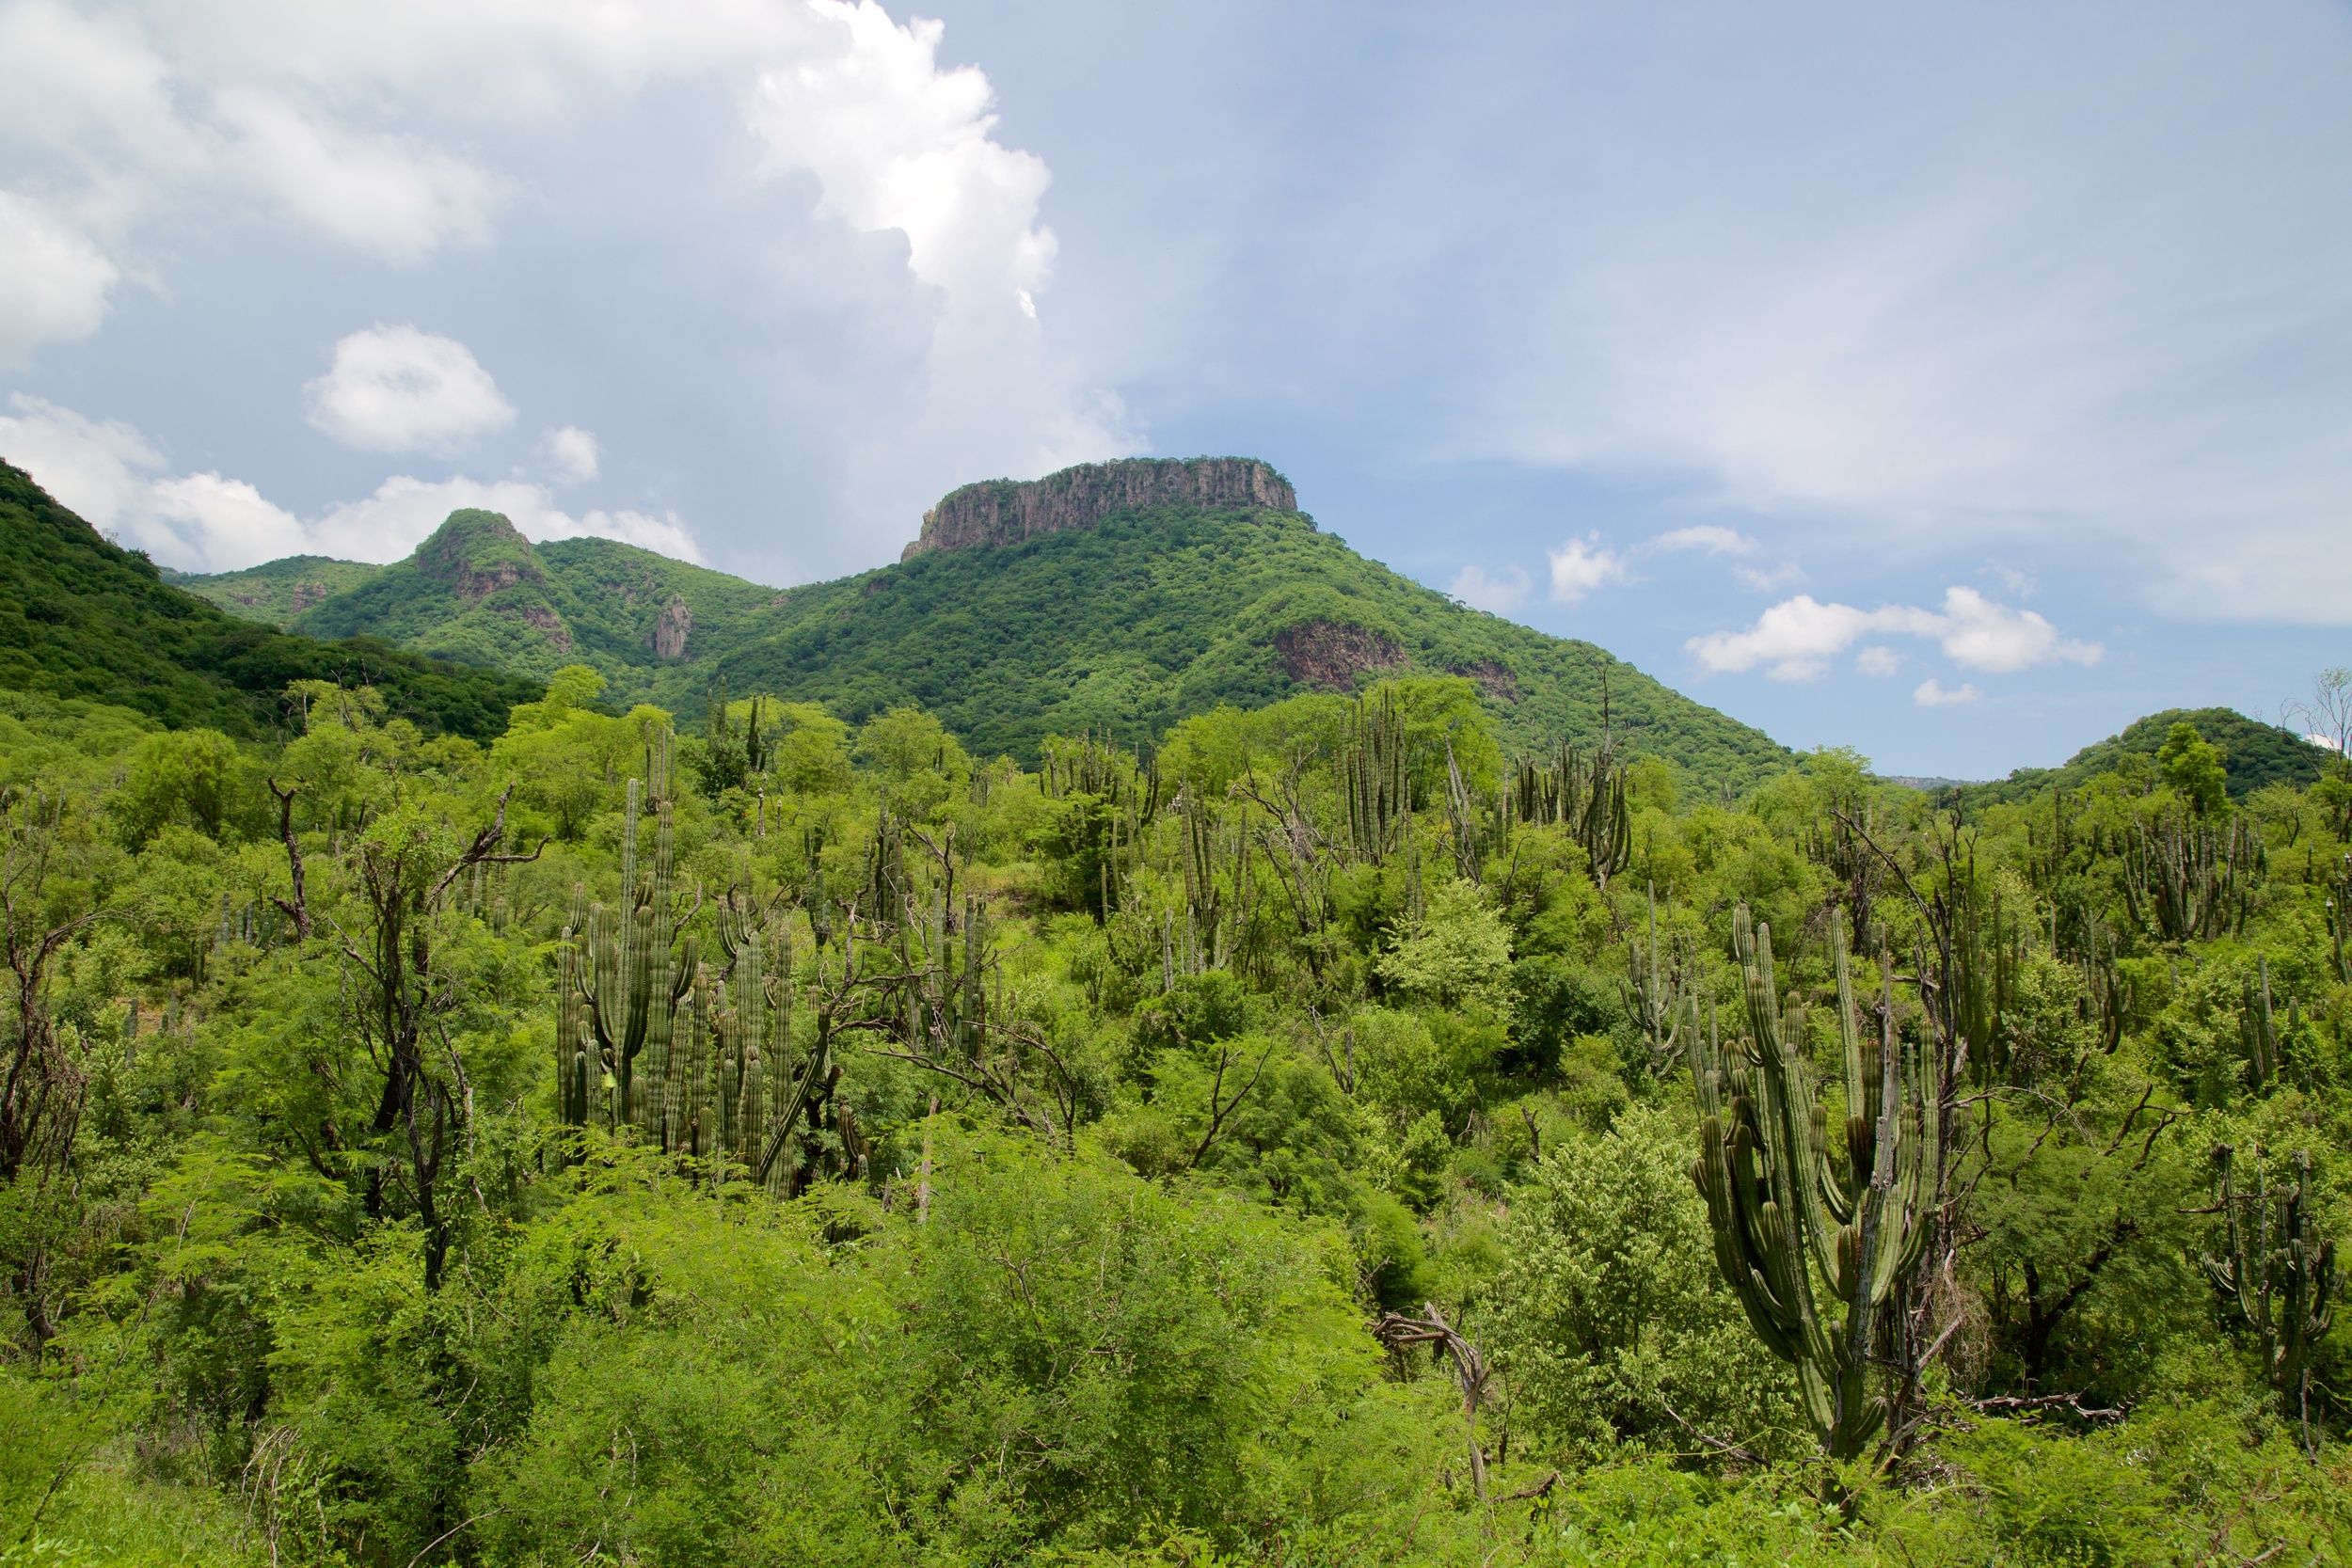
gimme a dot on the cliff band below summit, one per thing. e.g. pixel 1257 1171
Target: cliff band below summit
pixel 1006 512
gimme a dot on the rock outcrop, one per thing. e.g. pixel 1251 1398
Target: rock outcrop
pixel 1006 512
pixel 671 629
pixel 1332 653
pixel 476 554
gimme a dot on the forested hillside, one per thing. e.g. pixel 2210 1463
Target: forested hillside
pixel 81 617
pixel 2254 754
pixel 1146 618
pixel 477 591
pixel 276 591
pixel 1087 602
pixel 793 1140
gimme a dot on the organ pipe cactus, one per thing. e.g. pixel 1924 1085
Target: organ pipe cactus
pixel 1815 1241
pixel 648 1037
pixel 1374 780
pixel 2276 1275
pixel 1586 797
pixel 623 980
pixel 2191 880
pixel 1660 996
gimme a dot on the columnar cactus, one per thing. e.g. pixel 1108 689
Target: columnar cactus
pixel 1659 995
pixel 1815 1242
pixel 2277 1277
pixel 2189 881
pixel 1587 796
pixel 1374 779
pixel 688 1054
pixel 624 978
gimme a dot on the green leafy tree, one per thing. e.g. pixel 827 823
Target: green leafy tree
pixel 2192 766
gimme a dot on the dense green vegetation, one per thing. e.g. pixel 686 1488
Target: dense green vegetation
pixel 83 618
pixel 2255 754
pixel 1119 629
pixel 802 1141
pixel 477 591
pixel 1126 627
pixel 276 591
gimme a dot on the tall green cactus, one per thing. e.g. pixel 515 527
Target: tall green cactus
pixel 2190 880
pixel 2278 1276
pixel 1373 778
pixel 1660 997
pixel 1815 1242
pixel 624 977
pixel 647 1036
pixel 1586 797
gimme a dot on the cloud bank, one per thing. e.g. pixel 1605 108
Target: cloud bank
pixel 1796 639
pixel 118 480
pixel 790 227
pixel 396 389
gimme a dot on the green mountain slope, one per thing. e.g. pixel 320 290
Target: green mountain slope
pixel 2253 754
pixel 276 591
pixel 479 592
pixel 1124 623
pixel 81 617
pixel 1115 599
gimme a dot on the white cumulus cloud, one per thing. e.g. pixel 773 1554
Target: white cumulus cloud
pixel 1582 565
pixel 1500 592
pixel 571 455
pixel 53 282
pixel 1713 538
pixel 1931 693
pixel 1796 639
pixel 391 198
pixel 115 479
pixel 396 389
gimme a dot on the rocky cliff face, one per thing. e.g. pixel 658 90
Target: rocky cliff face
pixel 1004 511
pixel 476 554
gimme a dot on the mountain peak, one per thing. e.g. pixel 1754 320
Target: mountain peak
pixel 1006 512
pixel 477 553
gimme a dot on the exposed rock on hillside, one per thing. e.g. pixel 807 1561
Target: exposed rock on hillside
pixel 1495 679
pixel 478 553
pixel 1332 655
pixel 1005 512
pixel 669 632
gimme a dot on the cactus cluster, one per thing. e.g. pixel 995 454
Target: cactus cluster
pixel 1815 1241
pixel 2276 1274
pixel 1588 796
pixel 651 1038
pixel 1216 912
pixel 1375 784
pixel 1660 996
pixel 2260 1032
pixel 2190 880
pixel 2340 917
pixel 1097 768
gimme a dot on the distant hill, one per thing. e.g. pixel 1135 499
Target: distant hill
pixel 1114 598
pixel 477 591
pixel 2253 754
pixel 1119 597
pixel 276 591
pixel 81 617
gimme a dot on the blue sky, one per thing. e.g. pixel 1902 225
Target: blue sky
pixel 1954 383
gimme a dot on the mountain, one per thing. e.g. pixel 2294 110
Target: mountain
pixel 477 591
pixel 1113 599
pixel 276 591
pixel 1119 597
pixel 81 617
pixel 2252 754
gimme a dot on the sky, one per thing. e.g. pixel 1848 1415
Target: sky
pixel 1955 383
